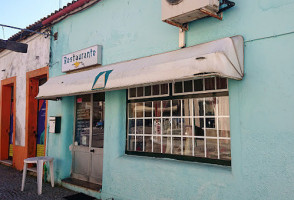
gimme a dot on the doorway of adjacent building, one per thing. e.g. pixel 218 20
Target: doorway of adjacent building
pixel 7 120
pixel 89 138
pixel 36 114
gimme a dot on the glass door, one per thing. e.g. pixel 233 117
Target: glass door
pixel 89 138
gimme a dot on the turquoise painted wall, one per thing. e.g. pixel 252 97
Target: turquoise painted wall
pixel 260 105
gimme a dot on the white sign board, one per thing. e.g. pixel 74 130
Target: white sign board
pixel 83 58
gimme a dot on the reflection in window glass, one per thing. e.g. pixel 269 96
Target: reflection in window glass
pixel 155 90
pixel 132 92
pixel 132 126
pixel 188 86
pixel 177 145
pixel 221 83
pixel 187 107
pixel 210 106
pixel 148 144
pixel 209 84
pixel 157 127
pixel 188 146
pixel 211 148
pixel 139 109
pixel 199 147
pixel 211 132
pixel 176 107
pixel 83 110
pixel 148 126
pixel 166 127
pixel 176 126
pixel 225 149
pixel 139 91
pixel 198 85
pixel 139 128
pixel 148 109
pixel 166 109
pixel 199 127
pixel 148 91
pixel 223 106
pixel 132 110
pixel 98 120
pixel 210 122
pixel 139 143
pixel 164 88
pixel 187 126
pixel 224 126
pixel 157 109
pixel 157 144
pixel 131 143
pixel 198 107
pixel 166 145
pixel 178 87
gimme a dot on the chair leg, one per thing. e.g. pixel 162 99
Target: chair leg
pixel 24 174
pixel 39 175
pixel 51 173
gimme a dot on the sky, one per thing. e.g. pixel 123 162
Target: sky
pixel 21 13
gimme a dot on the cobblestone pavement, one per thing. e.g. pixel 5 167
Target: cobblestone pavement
pixel 10 184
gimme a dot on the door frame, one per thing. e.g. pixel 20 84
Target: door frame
pixel 5 102
pixel 32 88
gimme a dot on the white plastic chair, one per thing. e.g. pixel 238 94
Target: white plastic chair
pixel 39 161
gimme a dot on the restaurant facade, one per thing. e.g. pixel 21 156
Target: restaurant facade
pixel 137 114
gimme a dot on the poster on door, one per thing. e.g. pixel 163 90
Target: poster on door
pixel 41 127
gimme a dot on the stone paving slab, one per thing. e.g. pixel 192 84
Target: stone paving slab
pixel 10 184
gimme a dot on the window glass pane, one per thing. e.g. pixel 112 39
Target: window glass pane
pixel 209 84
pixel 178 87
pixel 148 126
pixel 166 127
pixel 166 109
pixel 164 89
pixel 148 91
pixel 224 126
pixel 148 144
pixel 139 143
pixel 223 106
pixel 199 127
pixel 187 126
pixel 148 109
pixel 139 128
pixel 176 107
pixel 131 126
pixel 211 132
pixel 210 122
pixel 198 85
pixel 198 107
pixel 139 110
pixel 155 90
pixel 187 107
pixel 132 110
pixel 157 144
pixel 98 120
pixel 188 86
pixel 188 146
pixel 211 148
pixel 176 126
pixel 210 106
pixel 83 109
pixel 131 143
pixel 140 92
pixel 157 109
pixel 221 83
pixel 177 145
pixel 166 145
pixel 225 149
pixel 132 92
pixel 157 127
pixel 199 147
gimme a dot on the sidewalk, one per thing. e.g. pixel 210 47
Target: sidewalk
pixel 10 184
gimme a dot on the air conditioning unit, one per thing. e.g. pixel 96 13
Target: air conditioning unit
pixel 179 12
